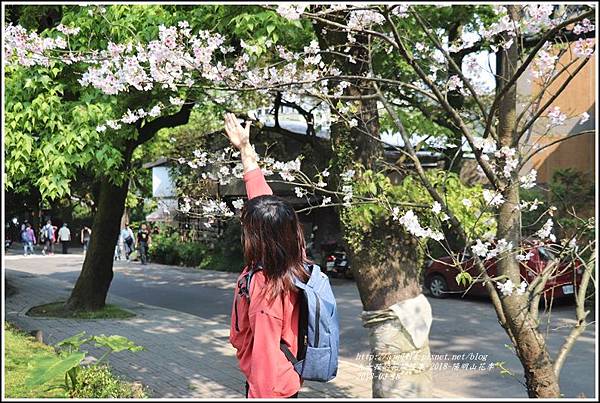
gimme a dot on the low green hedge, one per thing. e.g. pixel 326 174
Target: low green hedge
pixel 169 249
pixel 224 254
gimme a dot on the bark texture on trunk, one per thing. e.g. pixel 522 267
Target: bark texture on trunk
pixel 385 265
pixel 530 344
pixel 92 286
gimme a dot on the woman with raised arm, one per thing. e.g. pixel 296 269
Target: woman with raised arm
pixel 267 313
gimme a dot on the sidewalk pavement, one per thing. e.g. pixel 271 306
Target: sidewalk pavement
pixel 184 357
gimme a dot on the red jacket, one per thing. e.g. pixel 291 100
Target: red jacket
pixel 258 327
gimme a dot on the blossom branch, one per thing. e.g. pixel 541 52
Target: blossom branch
pixel 523 67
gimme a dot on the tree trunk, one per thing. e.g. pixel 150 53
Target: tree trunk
pixel 396 314
pixel 530 344
pixel 92 286
pixel 96 275
pixel 385 265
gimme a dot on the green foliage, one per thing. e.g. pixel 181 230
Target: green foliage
pixel 35 370
pixel 464 278
pixel 224 254
pixel 227 253
pixel 255 26
pixel 67 363
pixel 115 343
pixel 19 351
pixel 51 136
pixel 99 382
pixel 48 368
pixel 170 249
pixel 572 193
pixel 359 220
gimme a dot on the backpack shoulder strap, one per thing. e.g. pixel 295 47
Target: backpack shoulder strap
pixel 245 287
pixel 302 322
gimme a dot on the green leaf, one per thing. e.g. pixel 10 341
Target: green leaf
pixel 116 343
pixel 73 342
pixel 464 278
pixel 373 187
pixel 47 368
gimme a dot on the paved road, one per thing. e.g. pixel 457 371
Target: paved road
pixel 460 327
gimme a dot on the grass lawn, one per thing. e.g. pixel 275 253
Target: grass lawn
pixel 21 349
pixel 56 310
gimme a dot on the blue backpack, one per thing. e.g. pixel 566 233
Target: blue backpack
pixel 318 328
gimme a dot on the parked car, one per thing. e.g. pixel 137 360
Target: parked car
pixel 336 262
pixel 440 275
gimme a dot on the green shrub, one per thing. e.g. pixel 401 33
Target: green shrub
pixel 226 254
pixel 169 249
pixel 571 192
pixel 191 253
pixel 164 249
pixel 97 381
pixel 35 370
pixel 67 364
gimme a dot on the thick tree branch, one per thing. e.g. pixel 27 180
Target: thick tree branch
pixel 147 130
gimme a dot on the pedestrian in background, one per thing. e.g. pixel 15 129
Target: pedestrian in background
pixel 28 238
pixel 143 240
pixel 117 255
pixel 127 236
pixel 47 237
pixel 64 236
pixel 86 234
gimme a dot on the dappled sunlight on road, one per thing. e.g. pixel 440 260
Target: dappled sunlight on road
pixel 198 335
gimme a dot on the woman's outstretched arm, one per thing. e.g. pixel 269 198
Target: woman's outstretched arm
pixel 240 138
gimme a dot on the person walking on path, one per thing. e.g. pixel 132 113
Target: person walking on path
pixel 48 238
pixel 28 238
pixel 143 241
pixel 64 236
pixel 266 315
pixel 128 240
pixel 86 234
pixel 117 255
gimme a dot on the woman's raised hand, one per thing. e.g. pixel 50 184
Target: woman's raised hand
pixel 238 135
pixel 240 138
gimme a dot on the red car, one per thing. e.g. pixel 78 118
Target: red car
pixel 440 275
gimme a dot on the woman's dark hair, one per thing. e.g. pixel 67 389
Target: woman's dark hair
pixel 272 236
